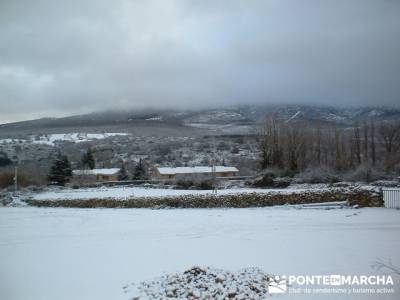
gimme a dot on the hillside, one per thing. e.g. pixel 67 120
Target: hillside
pixel 234 119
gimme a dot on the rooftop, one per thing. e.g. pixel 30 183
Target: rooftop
pixel 191 170
pixel 110 171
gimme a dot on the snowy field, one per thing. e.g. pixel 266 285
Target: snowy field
pixel 52 139
pixel 59 253
pixel 123 192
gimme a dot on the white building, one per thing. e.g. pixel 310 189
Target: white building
pixel 98 174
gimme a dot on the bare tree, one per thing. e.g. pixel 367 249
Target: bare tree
pixel 357 143
pixel 296 146
pixel 390 136
pixel 271 149
pixel 389 133
pixel 265 146
pixel 318 144
pixel 372 141
pixel 338 153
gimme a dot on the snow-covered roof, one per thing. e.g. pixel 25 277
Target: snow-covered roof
pixel 110 171
pixel 191 170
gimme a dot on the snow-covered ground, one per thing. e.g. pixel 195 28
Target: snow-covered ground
pixel 59 253
pixel 227 128
pixel 123 192
pixel 51 139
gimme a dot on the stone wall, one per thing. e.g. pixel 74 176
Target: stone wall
pixel 362 198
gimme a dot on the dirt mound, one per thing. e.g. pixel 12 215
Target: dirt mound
pixel 205 283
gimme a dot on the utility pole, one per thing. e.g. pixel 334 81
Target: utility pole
pixel 214 169
pixel 16 179
pixel 214 177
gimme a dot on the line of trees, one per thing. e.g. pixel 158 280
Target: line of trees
pixel 294 147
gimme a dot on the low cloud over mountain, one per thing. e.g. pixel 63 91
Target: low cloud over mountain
pixel 68 57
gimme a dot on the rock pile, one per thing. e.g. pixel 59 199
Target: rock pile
pixel 206 283
pixel 202 201
pixel 360 197
pixel 366 198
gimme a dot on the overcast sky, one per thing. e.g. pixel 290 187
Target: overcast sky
pixel 66 57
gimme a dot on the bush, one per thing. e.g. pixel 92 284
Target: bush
pixel 269 179
pixel 188 184
pixel 184 184
pixel 265 180
pixel 206 185
pixel 235 150
pixel 163 150
pixel 5 161
pixel 365 173
pixel 194 181
pixel 7 179
pixel 223 146
pixel 317 175
pixel 282 182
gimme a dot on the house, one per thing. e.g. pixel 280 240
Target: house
pixel 98 175
pixel 172 173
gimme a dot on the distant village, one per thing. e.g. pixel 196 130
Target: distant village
pixel 85 159
pixel 282 152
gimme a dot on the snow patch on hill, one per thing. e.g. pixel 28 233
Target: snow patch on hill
pixel 52 139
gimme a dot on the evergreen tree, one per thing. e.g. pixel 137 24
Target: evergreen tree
pixel 139 172
pixel 88 160
pixel 60 171
pixel 123 174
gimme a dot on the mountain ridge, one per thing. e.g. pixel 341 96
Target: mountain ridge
pixel 240 115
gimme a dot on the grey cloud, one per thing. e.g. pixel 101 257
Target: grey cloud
pixel 65 57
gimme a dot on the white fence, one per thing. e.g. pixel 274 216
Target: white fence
pixel 391 198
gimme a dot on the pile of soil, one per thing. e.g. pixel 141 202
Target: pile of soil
pixel 205 283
